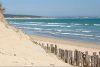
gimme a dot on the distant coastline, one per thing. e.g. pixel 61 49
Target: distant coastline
pixel 12 16
pixel 30 18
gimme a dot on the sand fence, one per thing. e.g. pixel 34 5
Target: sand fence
pixel 74 58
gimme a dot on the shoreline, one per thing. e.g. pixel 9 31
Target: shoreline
pixel 30 18
pixel 68 44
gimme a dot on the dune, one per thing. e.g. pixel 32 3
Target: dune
pixel 17 49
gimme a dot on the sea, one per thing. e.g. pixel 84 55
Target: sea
pixel 85 30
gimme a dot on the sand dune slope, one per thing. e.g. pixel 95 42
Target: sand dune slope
pixel 16 49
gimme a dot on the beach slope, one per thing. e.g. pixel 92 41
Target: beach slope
pixel 17 49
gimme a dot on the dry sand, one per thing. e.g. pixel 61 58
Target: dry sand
pixel 69 44
pixel 17 49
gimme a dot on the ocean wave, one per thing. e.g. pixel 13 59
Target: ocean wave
pixel 56 23
pixel 25 28
pixel 79 29
pixel 97 36
pixel 35 22
pixel 30 28
pixel 51 25
pixel 23 24
pixel 86 31
pixel 59 30
pixel 86 24
pixel 65 33
pixel 69 26
pixel 96 24
pixel 37 28
pixel 78 34
pixel 77 24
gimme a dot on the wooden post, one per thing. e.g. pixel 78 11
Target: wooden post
pixel 55 49
pixel 95 59
pixel 51 48
pixel 66 56
pixel 98 61
pixel 62 54
pixel 59 52
pixel 87 59
pixel 84 59
pixel 42 45
pixel 75 57
pixel 47 48
pixel 92 61
pixel 70 57
pixel 39 44
pixel 80 59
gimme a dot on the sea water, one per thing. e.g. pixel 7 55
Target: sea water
pixel 87 30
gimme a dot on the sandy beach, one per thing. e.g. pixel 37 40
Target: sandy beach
pixel 17 49
pixel 52 33
pixel 69 44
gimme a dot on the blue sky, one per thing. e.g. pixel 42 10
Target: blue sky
pixel 53 7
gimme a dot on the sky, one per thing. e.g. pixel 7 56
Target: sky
pixel 53 7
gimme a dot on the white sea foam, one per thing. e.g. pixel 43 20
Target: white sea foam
pixel 37 28
pixel 23 24
pixel 56 23
pixel 87 35
pixel 96 24
pixel 65 33
pixel 36 22
pixel 86 31
pixel 86 24
pixel 77 24
pixel 30 28
pixel 78 34
pixel 15 23
pixel 68 26
pixel 30 24
pixel 51 25
pixel 97 36
pixel 25 28
pixel 59 30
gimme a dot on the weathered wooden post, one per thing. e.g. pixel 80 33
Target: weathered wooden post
pixel 95 59
pixel 98 60
pixel 80 58
pixel 66 56
pixel 62 54
pixel 39 44
pixel 92 61
pixel 75 57
pixel 70 57
pixel 55 49
pixel 51 46
pixel 47 48
pixel 43 45
pixel 87 59
pixel 59 52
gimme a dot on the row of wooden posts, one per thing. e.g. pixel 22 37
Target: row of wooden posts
pixel 74 58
